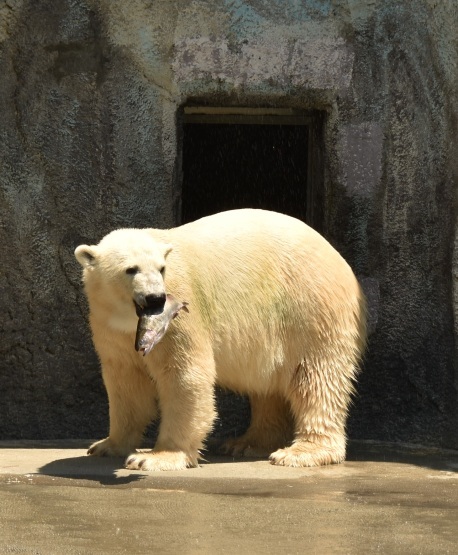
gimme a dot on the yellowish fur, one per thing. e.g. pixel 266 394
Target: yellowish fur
pixel 274 312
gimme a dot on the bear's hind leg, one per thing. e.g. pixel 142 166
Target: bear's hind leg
pixel 270 428
pixel 319 401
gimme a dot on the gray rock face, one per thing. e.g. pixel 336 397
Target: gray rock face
pixel 90 140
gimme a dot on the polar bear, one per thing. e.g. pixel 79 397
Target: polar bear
pixel 274 313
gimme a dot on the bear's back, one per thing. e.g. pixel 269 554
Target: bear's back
pixel 246 223
pixel 264 284
pixel 257 261
pixel 259 243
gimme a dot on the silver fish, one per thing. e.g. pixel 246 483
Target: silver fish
pixel 151 328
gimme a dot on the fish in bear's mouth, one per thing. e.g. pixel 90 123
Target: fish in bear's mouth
pixel 153 322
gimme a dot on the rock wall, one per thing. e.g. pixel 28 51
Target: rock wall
pixel 90 97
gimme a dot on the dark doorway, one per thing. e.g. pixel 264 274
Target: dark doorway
pixel 245 161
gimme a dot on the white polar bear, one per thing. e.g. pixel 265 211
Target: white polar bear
pixel 274 312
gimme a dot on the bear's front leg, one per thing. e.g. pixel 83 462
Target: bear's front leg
pixel 186 398
pixel 132 406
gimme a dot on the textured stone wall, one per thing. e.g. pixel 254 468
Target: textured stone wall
pixel 89 96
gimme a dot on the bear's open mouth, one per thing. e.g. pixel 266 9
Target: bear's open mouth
pixel 153 308
pixel 138 309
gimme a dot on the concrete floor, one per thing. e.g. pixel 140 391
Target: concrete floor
pixel 385 499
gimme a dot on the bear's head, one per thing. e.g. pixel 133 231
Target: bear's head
pixel 125 274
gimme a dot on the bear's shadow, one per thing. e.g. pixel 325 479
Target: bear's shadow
pixel 110 471
pixel 98 469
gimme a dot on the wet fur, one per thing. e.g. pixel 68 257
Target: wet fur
pixel 274 312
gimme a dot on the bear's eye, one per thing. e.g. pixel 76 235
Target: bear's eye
pixel 162 270
pixel 132 270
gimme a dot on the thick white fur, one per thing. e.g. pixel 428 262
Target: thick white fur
pixel 274 312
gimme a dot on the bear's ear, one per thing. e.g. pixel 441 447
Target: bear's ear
pixel 167 249
pixel 85 256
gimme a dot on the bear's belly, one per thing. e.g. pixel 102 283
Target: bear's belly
pixel 250 369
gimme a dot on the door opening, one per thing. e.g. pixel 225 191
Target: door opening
pixel 247 158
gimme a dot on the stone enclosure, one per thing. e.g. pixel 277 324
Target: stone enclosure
pixel 116 113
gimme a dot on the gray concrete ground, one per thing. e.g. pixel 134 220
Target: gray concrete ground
pixel 384 499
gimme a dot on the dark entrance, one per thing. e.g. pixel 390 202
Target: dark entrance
pixel 245 161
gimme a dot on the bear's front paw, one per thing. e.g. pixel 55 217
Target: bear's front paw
pixel 106 448
pixel 160 460
pixel 306 453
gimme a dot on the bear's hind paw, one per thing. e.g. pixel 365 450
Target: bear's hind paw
pixel 160 460
pixel 242 447
pixel 307 454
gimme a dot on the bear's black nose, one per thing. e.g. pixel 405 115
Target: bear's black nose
pixel 155 303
